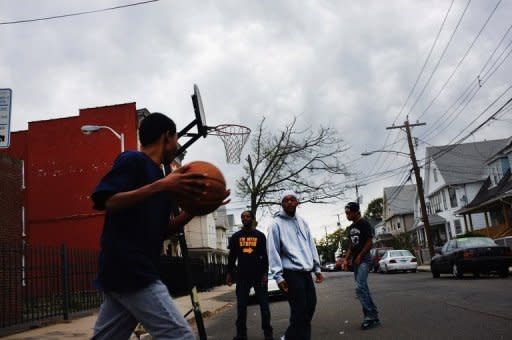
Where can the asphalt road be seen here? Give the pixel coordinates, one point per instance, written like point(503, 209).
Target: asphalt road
point(412, 306)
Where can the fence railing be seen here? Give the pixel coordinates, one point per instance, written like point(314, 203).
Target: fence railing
point(38, 284)
point(41, 283)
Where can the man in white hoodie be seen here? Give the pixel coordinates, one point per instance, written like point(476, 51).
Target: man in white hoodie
point(292, 257)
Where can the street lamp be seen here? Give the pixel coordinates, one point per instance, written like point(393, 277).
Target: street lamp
point(368, 153)
point(90, 129)
point(419, 186)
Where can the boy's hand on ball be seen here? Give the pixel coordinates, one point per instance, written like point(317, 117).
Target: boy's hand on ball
point(190, 184)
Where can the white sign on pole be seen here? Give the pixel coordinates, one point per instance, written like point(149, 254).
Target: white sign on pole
point(5, 117)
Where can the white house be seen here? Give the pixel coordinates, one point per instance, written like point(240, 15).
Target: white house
point(398, 208)
point(494, 200)
point(453, 175)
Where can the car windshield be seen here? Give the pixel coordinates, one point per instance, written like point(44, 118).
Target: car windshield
point(472, 242)
point(397, 253)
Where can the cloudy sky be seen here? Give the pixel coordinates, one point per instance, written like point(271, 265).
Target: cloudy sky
point(351, 65)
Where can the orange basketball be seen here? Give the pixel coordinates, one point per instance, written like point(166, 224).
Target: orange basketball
point(215, 190)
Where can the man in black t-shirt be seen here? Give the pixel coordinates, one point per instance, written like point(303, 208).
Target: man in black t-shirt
point(361, 235)
point(248, 247)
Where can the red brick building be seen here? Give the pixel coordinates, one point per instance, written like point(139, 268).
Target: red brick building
point(11, 237)
point(62, 167)
point(11, 200)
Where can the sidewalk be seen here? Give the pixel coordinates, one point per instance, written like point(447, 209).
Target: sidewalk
point(211, 302)
point(424, 268)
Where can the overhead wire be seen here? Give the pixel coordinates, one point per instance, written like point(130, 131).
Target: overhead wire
point(469, 93)
point(76, 13)
point(461, 60)
point(378, 160)
point(442, 56)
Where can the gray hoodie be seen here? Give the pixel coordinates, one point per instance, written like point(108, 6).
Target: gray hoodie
point(291, 246)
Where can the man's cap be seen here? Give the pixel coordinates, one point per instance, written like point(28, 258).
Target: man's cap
point(288, 193)
point(352, 206)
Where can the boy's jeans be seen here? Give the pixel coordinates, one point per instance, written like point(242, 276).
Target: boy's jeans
point(363, 292)
point(152, 306)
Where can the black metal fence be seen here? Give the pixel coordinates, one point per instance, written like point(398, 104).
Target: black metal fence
point(204, 275)
point(43, 283)
point(38, 284)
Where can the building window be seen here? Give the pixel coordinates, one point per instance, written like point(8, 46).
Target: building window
point(435, 175)
point(444, 200)
point(398, 225)
point(453, 197)
point(458, 226)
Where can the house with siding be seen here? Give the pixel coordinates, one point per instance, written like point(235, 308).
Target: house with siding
point(398, 208)
point(494, 200)
point(453, 176)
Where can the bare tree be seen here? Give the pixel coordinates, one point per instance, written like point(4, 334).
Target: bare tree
point(306, 161)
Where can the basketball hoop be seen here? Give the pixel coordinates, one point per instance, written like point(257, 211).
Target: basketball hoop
point(234, 138)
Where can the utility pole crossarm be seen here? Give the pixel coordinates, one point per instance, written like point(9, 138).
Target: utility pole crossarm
point(404, 126)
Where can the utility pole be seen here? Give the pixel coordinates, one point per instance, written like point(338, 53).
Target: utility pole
point(419, 182)
point(357, 191)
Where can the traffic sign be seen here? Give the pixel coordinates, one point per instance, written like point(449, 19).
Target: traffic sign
point(5, 117)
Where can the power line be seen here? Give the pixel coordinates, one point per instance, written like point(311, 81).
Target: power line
point(441, 57)
point(461, 60)
point(471, 91)
point(381, 164)
point(77, 13)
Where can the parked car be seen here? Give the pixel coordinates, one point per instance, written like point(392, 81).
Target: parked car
point(273, 288)
point(376, 254)
point(329, 267)
point(471, 255)
point(504, 241)
point(398, 260)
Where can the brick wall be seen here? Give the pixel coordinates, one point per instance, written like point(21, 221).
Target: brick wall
point(10, 239)
point(10, 200)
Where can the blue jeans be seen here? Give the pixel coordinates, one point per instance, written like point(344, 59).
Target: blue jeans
point(363, 292)
point(302, 301)
point(152, 306)
point(242, 295)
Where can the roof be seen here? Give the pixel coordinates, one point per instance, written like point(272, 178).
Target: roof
point(488, 195)
point(432, 221)
point(400, 200)
point(464, 163)
point(503, 152)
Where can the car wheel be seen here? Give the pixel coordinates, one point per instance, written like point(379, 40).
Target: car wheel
point(503, 273)
point(456, 272)
point(435, 275)
point(414, 270)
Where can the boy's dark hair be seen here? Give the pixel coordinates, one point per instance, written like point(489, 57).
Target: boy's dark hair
point(352, 206)
point(153, 126)
point(249, 212)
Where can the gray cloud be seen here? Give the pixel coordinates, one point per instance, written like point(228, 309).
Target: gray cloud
point(345, 64)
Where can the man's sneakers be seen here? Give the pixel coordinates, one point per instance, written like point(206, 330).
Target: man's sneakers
point(367, 324)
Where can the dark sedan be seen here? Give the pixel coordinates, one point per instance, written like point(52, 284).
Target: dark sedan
point(471, 255)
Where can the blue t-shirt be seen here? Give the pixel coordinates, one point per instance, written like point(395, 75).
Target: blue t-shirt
point(132, 238)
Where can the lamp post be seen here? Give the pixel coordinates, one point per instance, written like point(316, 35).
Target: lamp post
point(90, 129)
point(368, 153)
point(419, 187)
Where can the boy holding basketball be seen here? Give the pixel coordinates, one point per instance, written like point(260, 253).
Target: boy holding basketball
point(138, 201)
point(248, 246)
